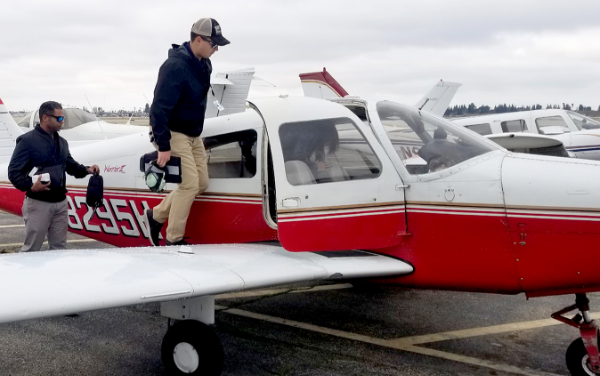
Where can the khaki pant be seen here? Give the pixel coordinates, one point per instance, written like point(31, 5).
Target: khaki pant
point(45, 218)
point(194, 180)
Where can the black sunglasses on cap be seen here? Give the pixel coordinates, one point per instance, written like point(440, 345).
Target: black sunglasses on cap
point(58, 118)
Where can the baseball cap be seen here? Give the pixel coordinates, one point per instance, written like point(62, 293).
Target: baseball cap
point(209, 27)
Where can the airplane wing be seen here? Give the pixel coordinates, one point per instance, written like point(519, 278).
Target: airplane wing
point(51, 283)
point(520, 140)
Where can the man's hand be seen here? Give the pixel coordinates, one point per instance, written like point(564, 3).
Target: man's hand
point(163, 158)
point(93, 169)
point(38, 186)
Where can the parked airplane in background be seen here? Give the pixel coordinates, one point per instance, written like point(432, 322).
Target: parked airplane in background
point(323, 85)
point(229, 88)
point(529, 130)
point(325, 176)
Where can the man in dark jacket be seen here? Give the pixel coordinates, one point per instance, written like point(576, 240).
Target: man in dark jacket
point(45, 206)
point(177, 119)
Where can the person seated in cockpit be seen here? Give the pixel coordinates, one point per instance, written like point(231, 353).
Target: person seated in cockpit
point(310, 144)
point(440, 153)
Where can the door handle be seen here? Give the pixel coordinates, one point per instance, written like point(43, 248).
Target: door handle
point(290, 202)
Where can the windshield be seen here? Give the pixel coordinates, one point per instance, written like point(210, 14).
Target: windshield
point(75, 117)
point(583, 122)
point(326, 151)
point(425, 143)
point(24, 122)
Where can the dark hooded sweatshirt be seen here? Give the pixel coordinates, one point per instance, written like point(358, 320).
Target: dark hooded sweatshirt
point(48, 152)
point(179, 101)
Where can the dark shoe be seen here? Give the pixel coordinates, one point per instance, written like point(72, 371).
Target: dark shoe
point(180, 242)
point(153, 226)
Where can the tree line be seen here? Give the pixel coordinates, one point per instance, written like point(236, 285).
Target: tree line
point(472, 109)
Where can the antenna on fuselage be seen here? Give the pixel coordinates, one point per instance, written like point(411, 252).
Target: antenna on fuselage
point(149, 104)
point(98, 121)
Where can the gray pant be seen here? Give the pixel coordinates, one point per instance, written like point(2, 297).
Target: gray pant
point(45, 218)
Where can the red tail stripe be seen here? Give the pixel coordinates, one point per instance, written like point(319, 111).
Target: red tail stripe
point(324, 77)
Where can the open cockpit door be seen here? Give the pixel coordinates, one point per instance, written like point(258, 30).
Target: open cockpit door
point(334, 187)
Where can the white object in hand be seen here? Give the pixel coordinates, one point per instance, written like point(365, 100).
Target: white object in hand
point(45, 178)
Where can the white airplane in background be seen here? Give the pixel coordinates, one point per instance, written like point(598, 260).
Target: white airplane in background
point(323, 85)
point(230, 88)
point(324, 176)
point(541, 132)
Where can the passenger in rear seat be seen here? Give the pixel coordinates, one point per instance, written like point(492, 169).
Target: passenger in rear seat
point(312, 144)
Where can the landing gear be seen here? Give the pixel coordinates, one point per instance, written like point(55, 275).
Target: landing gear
point(578, 359)
point(192, 348)
point(582, 355)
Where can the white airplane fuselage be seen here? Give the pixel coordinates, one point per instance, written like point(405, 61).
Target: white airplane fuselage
point(482, 219)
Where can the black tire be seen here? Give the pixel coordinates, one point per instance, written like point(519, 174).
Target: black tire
point(576, 359)
point(197, 339)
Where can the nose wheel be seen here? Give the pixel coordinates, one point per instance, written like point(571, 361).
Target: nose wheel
point(583, 358)
point(578, 360)
point(192, 348)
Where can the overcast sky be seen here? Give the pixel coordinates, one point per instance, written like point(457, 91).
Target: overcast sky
point(520, 52)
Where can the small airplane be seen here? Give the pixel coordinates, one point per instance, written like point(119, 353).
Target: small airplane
point(327, 176)
point(574, 135)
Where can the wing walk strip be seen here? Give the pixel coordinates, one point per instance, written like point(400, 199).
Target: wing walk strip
point(409, 344)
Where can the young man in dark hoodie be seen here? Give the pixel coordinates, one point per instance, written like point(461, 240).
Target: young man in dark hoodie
point(177, 119)
point(45, 207)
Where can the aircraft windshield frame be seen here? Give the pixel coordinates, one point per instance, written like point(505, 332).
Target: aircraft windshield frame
point(427, 144)
point(593, 124)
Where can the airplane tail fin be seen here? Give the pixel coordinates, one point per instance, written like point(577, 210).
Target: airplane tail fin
point(9, 131)
point(436, 101)
point(231, 90)
point(321, 85)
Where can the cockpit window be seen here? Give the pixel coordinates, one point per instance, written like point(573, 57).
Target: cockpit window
point(232, 155)
point(552, 125)
point(482, 129)
point(24, 122)
point(425, 143)
point(511, 126)
point(326, 151)
point(583, 122)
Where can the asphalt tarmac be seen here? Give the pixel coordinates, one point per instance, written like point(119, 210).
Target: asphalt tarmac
point(333, 329)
